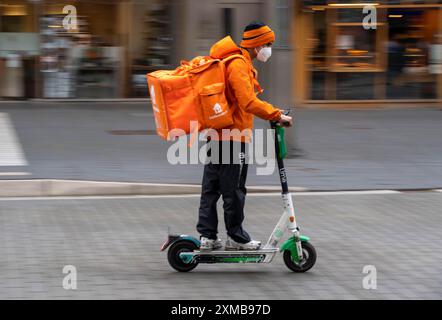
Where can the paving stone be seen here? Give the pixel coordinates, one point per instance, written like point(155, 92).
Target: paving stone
point(114, 244)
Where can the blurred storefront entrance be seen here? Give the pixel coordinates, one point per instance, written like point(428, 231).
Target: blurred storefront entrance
point(82, 62)
point(115, 44)
point(340, 61)
point(19, 49)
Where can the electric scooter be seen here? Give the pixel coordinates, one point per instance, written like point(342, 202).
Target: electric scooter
point(298, 253)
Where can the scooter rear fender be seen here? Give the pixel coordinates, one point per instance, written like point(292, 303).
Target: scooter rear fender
point(172, 238)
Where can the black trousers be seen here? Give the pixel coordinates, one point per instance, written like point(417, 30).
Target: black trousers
point(225, 178)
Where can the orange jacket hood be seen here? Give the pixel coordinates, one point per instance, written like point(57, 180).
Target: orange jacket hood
point(224, 48)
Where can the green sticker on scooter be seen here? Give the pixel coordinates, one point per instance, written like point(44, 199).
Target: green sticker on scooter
point(281, 142)
point(240, 259)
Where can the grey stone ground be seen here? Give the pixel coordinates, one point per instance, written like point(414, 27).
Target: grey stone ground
point(114, 244)
point(366, 149)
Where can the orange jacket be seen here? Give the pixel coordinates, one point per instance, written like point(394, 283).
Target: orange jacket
point(241, 80)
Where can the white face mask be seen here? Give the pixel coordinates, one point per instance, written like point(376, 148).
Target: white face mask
point(264, 54)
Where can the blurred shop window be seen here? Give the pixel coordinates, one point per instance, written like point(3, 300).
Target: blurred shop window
point(19, 47)
point(410, 54)
point(157, 45)
point(355, 50)
point(158, 36)
point(354, 47)
point(97, 69)
point(436, 55)
point(344, 59)
point(354, 56)
point(75, 63)
point(56, 75)
point(13, 86)
point(399, 59)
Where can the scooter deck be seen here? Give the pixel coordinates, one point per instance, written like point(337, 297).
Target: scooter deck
point(228, 256)
point(236, 252)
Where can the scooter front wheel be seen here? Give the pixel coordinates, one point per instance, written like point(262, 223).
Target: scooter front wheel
point(173, 255)
point(308, 259)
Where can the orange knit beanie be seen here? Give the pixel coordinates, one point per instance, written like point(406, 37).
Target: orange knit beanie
point(257, 34)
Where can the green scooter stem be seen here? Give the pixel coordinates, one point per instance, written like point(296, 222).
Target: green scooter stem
point(280, 131)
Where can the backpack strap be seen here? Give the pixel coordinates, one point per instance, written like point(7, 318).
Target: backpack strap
point(234, 56)
point(240, 56)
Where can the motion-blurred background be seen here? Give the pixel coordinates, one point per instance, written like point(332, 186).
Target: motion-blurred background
point(75, 120)
point(322, 53)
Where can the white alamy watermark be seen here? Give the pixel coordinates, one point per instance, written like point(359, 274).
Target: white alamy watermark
point(70, 21)
point(207, 148)
point(70, 280)
point(371, 18)
point(370, 281)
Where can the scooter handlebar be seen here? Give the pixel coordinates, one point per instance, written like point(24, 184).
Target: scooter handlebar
point(285, 112)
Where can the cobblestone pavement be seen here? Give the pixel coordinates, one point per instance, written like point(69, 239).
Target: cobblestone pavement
point(114, 244)
point(365, 149)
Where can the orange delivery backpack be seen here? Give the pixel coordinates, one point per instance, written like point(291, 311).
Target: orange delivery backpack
point(195, 91)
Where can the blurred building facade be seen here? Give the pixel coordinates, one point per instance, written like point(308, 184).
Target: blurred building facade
point(397, 59)
point(322, 53)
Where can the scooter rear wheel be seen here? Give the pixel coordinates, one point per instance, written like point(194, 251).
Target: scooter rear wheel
point(173, 255)
point(308, 261)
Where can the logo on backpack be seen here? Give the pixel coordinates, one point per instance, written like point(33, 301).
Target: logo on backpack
point(218, 111)
point(217, 108)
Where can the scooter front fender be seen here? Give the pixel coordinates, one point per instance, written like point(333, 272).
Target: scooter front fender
point(171, 239)
point(290, 245)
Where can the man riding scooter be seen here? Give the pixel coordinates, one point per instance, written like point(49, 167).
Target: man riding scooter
point(226, 177)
